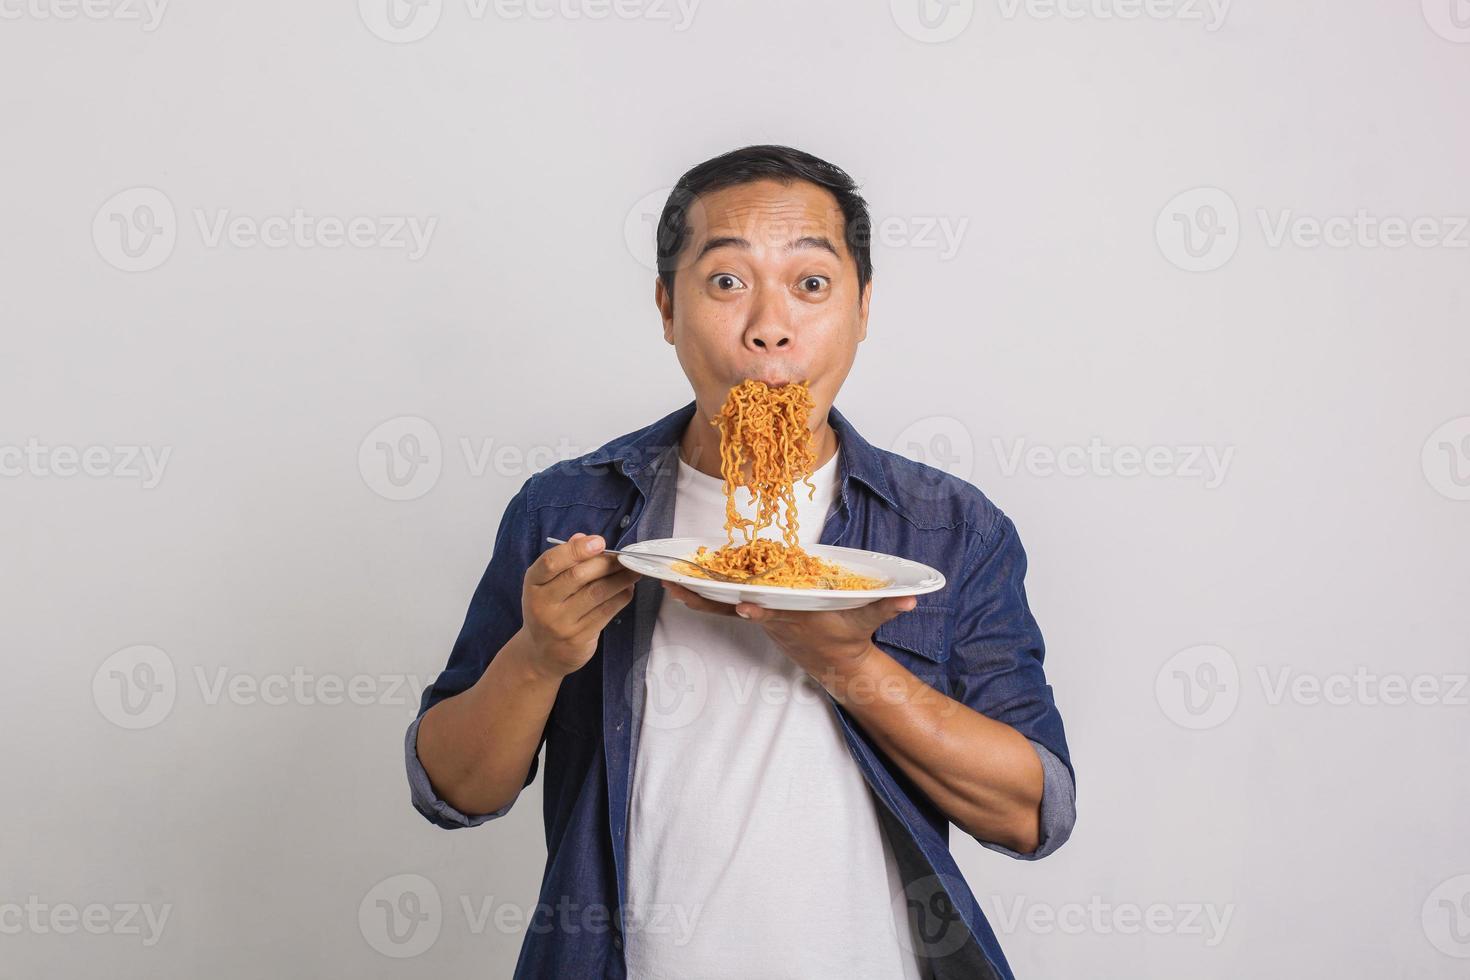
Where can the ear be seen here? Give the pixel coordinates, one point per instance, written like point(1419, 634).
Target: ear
point(665, 303)
point(863, 304)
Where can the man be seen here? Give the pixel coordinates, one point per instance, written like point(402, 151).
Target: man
point(733, 791)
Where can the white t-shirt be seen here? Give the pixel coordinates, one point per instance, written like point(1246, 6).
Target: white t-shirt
point(755, 847)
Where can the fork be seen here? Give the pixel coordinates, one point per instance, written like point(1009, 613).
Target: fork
point(718, 576)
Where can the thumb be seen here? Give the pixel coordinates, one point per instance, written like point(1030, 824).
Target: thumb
point(753, 612)
point(886, 609)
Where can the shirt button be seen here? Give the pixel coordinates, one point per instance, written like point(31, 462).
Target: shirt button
point(627, 519)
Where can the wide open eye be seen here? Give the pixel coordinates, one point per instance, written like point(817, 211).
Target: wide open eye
point(815, 284)
point(725, 282)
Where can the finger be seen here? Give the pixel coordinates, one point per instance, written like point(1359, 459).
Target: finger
point(564, 587)
point(698, 602)
point(755, 613)
point(883, 610)
point(873, 615)
point(557, 559)
point(579, 576)
point(594, 593)
point(600, 615)
point(902, 604)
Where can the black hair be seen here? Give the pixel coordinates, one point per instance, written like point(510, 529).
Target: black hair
point(747, 165)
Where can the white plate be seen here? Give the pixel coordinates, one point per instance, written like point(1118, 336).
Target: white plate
point(909, 577)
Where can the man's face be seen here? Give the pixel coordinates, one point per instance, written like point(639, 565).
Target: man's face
point(766, 289)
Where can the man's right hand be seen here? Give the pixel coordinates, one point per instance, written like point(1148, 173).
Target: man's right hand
point(571, 592)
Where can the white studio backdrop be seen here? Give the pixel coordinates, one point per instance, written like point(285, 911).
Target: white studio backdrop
point(1182, 286)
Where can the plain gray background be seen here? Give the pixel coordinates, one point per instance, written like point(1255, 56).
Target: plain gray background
point(1096, 252)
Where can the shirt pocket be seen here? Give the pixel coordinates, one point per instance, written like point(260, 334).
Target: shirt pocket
point(919, 640)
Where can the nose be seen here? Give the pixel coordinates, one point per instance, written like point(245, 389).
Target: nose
point(769, 327)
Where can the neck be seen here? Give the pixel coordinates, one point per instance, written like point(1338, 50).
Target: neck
point(700, 446)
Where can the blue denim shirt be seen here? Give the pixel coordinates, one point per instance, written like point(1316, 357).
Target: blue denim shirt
point(974, 640)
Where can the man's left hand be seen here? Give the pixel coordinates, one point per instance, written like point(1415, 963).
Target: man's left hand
point(824, 642)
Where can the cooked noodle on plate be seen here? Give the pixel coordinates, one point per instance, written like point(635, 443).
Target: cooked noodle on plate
point(768, 427)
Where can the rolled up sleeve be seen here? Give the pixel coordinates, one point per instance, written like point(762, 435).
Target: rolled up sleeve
point(494, 617)
point(430, 803)
point(997, 655)
point(1058, 808)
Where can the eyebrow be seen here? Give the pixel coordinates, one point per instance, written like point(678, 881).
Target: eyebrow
point(731, 241)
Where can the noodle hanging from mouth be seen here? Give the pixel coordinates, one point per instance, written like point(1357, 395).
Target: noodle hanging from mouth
point(768, 428)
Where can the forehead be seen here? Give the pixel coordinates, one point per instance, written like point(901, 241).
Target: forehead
point(767, 213)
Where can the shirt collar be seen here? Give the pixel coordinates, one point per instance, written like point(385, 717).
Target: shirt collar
point(637, 453)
